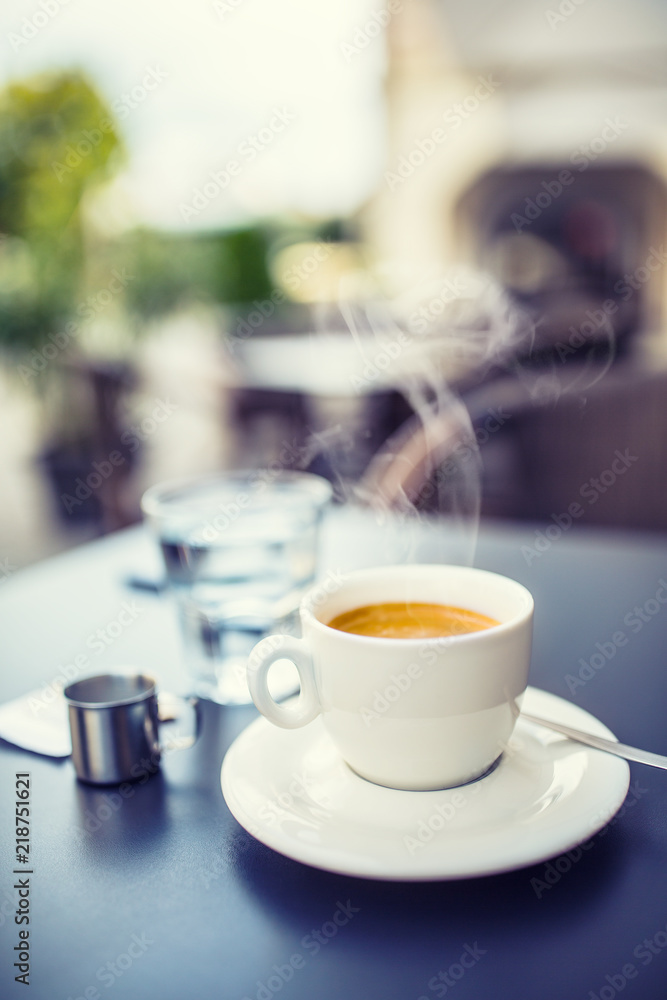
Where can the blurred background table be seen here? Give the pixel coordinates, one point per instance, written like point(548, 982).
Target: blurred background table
point(220, 910)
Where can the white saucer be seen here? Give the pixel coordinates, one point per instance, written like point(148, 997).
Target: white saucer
point(291, 790)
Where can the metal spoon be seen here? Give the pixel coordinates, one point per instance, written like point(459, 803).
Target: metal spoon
point(599, 743)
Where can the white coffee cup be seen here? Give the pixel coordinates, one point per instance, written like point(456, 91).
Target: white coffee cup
point(407, 713)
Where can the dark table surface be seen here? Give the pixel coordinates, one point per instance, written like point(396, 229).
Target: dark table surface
point(165, 895)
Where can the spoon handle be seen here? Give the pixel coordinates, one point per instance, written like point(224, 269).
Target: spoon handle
point(599, 743)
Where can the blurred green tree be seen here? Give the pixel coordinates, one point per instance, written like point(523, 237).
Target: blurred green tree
point(57, 138)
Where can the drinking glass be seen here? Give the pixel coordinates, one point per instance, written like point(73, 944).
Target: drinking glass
point(239, 549)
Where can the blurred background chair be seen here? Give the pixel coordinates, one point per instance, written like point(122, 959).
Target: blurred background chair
point(544, 445)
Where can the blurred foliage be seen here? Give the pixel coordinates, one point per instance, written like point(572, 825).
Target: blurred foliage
point(170, 270)
point(57, 137)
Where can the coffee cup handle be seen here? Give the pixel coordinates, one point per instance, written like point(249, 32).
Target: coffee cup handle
point(266, 652)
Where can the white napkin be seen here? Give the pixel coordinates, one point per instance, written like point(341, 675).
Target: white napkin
point(33, 724)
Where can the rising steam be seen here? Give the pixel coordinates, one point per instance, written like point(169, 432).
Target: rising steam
point(451, 329)
point(447, 329)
